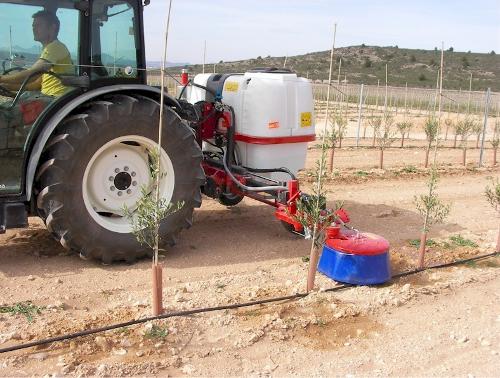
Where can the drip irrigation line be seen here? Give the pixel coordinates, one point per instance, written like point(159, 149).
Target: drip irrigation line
point(223, 307)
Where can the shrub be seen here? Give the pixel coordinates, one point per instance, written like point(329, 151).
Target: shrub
point(465, 62)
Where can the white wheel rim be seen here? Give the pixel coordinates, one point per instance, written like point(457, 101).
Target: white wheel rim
point(115, 176)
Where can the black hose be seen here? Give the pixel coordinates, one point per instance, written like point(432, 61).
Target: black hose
point(190, 81)
point(183, 89)
point(271, 170)
point(224, 307)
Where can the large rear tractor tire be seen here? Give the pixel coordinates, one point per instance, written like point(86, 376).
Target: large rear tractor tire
point(98, 160)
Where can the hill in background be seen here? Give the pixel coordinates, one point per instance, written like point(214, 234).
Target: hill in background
point(366, 64)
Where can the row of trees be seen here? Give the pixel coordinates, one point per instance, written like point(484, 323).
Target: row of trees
point(386, 129)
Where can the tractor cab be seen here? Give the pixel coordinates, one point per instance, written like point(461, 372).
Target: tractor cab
point(91, 44)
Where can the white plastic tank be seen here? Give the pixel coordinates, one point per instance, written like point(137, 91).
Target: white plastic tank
point(274, 117)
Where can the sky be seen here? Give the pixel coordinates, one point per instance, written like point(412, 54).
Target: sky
point(243, 29)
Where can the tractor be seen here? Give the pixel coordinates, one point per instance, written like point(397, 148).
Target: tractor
point(76, 156)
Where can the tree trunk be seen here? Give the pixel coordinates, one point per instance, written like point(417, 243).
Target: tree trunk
point(364, 132)
point(340, 142)
point(373, 140)
point(446, 133)
point(402, 140)
point(464, 157)
point(455, 141)
point(381, 158)
point(313, 266)
point(494, 156)
point(421, 250)
point(157, 289)
point(427, 150)
point(477, 141)
point(330, 163)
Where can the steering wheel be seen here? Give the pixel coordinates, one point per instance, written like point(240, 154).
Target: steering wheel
point(5, 92)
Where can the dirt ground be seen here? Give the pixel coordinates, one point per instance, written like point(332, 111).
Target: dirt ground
point(436, 323)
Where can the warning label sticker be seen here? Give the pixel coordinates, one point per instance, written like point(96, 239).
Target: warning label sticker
point(305, 119)
point(231, 86)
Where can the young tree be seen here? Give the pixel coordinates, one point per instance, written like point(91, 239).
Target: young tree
point(313, 215)
point(385, 137)
point(432, 211)
point(431, 129)
point(477, 129)
point(331, 139)
point(340, 122)
point(145, 220)
point(448, 122)
point(493, 196)
point(465, 128)
point(495, 140)
point(403, 128)
point(375, 122)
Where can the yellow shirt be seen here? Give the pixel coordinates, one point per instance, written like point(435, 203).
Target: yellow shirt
point(58, 55)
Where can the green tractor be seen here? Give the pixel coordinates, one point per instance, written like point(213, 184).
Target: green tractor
point(78, 125)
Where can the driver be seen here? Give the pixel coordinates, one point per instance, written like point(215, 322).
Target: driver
point(55, 58)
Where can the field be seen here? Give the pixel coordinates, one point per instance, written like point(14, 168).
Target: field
point(417, 325)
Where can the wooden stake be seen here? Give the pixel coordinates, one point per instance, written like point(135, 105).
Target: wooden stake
point(470, 93)
point(406, 96)
point(204, 55)
point(332, 150)
point(386, 89)
point(156, 269)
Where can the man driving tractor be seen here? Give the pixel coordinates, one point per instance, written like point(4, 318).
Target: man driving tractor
point(55, 58)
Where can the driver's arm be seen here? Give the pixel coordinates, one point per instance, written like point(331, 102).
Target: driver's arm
point(14, 80)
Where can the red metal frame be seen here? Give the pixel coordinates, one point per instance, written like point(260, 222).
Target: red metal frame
point(211, 125)
point(284, 212)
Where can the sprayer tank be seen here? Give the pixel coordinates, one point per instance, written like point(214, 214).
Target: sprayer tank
point(274, 116)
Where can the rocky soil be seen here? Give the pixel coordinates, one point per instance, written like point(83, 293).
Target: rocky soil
point(436, 323)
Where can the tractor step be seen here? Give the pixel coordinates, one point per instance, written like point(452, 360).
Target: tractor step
point(13, 215)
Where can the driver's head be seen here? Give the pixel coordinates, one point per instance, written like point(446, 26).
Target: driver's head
point(45, 26)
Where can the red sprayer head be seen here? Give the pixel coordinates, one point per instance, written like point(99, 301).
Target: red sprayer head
point(184, 77)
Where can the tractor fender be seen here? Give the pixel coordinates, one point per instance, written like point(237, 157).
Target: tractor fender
point(58, 117)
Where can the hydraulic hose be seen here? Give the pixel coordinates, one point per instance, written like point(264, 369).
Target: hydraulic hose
point(269, 170)
point(225, 307)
